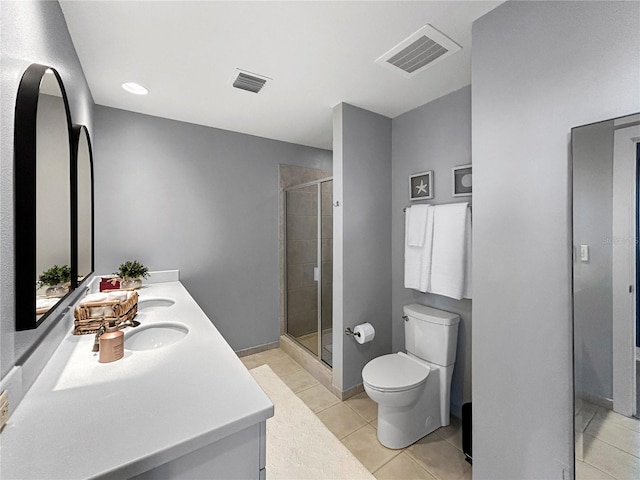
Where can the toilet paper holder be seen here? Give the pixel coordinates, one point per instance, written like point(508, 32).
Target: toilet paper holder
point(363, 333)
point(348, 331)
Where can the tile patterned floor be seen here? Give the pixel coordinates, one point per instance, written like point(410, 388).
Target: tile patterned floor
point(607, 444)
point(435, 457)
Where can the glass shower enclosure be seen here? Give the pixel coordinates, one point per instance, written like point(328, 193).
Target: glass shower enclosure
point(309, 266)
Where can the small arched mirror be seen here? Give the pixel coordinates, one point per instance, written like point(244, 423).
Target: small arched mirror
point(83, 199)
point(42, 173)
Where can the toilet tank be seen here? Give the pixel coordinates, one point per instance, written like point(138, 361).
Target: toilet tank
point(431, 334)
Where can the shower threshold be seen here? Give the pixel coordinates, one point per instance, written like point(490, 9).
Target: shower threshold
point(310, 343)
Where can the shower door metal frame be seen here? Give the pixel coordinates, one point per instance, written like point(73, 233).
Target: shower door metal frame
point(318, 183)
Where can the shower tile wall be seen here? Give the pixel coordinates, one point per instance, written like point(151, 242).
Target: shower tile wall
point(289, 176)
point(302, 248)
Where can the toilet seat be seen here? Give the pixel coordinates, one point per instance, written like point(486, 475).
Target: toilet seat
point(394, 372)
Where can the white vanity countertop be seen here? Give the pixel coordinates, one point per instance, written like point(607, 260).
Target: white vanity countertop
point(83, 419)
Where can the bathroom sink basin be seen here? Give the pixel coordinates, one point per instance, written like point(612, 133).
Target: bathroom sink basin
point(151, 304)
point(156, 335)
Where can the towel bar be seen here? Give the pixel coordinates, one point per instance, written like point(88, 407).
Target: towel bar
point(469, 206)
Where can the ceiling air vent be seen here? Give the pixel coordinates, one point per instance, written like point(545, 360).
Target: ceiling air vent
point(420, 50)
point(248, 81)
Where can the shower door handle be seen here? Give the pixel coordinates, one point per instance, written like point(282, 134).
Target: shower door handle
point(316, 274)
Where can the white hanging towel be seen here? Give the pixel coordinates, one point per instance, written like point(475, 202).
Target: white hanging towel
point(417, 260)
point(448, 262)
point(417, 216)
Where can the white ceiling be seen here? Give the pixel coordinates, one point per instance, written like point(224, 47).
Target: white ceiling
point(318, 54)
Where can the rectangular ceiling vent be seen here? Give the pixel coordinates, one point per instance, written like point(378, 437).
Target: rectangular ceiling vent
point(250, 82)
point(420, 50)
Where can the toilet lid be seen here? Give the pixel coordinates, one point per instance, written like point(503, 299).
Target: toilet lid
point(394, 372)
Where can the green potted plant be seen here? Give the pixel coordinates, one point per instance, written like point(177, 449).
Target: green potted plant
point(132, 273)
point(57, 279)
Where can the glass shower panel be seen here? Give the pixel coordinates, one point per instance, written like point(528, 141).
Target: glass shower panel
point(302, 265)
point(326, 255)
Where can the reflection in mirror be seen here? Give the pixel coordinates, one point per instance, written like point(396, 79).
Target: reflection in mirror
point(53, 202)
point(605, 313)
point(43, 196)
point(84, 202)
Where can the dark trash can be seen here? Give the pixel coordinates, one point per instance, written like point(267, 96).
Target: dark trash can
point(466, 432)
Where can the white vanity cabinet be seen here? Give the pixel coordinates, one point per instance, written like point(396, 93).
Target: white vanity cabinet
point(187, 410)
point(239, 456)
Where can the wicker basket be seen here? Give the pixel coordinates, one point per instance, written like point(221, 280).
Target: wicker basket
point(86, 320)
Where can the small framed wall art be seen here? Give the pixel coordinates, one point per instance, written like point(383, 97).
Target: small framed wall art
point(461, 177)
point(421, 186)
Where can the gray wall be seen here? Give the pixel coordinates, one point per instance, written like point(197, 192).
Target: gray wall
point(32, 32)
point(538, 69)
point(198, 199)
point(435, 136)
point(362, 238)
point(592, 151)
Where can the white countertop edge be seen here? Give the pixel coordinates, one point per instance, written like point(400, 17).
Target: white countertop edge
point(174, 452)
point(207, 348)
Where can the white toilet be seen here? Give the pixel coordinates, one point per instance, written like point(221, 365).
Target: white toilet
point(413, 390)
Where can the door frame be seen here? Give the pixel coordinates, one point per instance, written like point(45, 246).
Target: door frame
point(624, 240)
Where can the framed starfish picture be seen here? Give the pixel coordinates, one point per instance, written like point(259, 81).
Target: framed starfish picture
point(421, 186)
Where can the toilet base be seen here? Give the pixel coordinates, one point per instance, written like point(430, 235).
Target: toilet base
point(399, 427)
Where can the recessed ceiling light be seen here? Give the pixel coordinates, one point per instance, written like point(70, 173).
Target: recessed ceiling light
point(134, 88)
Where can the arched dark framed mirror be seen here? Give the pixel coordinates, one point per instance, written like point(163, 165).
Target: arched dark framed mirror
point(42, 199)
point(82, 201)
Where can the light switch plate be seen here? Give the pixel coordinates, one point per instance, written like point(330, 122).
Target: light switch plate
point(584, 253)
